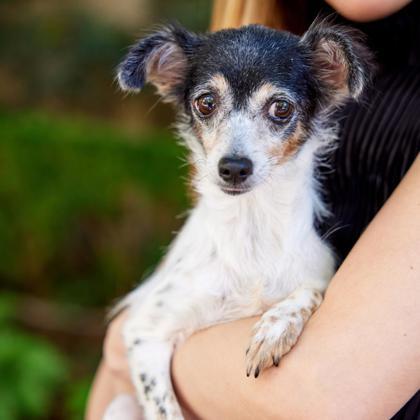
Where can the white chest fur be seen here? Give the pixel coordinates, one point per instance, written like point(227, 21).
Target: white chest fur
point(236, 256)
point(254, 249)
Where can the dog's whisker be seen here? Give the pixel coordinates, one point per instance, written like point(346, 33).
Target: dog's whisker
point(155, 104)
point(333, 229)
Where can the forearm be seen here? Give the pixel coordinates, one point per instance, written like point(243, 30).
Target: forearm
point(358, 356)
point(367, 10)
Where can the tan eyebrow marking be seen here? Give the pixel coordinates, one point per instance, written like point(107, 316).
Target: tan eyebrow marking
point(221, 86)
point(288, 148)
point(219, 83)
point(260, 96)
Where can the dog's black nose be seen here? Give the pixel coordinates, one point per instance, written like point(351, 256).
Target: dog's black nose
point(235, 170)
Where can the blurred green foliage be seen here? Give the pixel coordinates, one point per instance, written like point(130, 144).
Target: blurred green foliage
point(31, 369)
point(86, 204)
point(65, 57)
point(62, 56)
point(85, 209)
point(83, 204)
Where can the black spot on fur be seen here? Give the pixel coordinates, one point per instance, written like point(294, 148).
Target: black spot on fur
point(162, 410)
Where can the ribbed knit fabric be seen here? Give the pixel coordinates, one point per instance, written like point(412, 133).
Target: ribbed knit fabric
point(380, 137)
point(379, 140)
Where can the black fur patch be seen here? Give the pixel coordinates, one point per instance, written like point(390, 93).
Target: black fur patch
point(248, 57)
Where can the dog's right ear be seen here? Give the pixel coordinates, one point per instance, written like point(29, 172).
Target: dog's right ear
point(162, 59)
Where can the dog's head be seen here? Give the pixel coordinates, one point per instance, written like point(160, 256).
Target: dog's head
point(249, 98)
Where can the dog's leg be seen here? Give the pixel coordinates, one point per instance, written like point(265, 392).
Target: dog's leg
point(155, 325)
point(150, 371)
point(150, 341)
point(279, 328)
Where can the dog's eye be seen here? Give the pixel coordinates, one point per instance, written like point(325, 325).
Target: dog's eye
point(280, 110)
point(205, 105)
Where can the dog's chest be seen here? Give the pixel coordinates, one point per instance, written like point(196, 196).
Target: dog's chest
point(248, 248)
point(251, 256)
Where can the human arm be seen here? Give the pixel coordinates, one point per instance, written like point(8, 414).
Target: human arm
point(358, 356)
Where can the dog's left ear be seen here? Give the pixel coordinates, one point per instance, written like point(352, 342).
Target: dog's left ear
point(162, 59)
point(340, 60)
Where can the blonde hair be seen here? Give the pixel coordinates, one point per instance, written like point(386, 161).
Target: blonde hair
point(278, 14)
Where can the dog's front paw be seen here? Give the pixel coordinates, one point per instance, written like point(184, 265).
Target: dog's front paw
point(273, 336)
point(279, 328)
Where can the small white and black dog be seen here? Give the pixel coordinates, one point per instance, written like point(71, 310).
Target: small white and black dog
point(254, 111)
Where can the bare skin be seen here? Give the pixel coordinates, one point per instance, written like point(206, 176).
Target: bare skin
point(358, 356)
point(367, 10)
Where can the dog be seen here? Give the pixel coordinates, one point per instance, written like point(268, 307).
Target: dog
point(254, 110)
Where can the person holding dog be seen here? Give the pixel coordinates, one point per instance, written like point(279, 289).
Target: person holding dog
point(359, 355)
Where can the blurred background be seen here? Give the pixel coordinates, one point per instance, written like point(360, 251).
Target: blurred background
point(91, 183)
